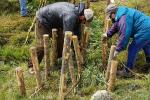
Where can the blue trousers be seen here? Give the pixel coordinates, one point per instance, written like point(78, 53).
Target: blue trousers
point(133, 50)
point(23, 7)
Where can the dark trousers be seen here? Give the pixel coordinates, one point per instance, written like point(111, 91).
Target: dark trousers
point(40, 31)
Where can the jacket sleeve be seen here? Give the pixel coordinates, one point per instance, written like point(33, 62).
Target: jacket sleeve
point(112, 30)
point(125, 33)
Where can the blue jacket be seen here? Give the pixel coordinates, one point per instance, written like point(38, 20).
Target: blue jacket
point(136, 25)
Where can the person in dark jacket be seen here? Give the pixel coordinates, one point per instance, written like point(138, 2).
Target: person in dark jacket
point(62, 16)
point(129, 23)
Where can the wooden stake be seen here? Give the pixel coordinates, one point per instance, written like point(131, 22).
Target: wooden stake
point(71, 68)
point(46, 55)
point(21, 84)
point(112, 79)
point(65, 59)
point(36, 67)
point(53, 55)
point(104, 54)
point(77, 53)
point(112, 50)
point(105, 44)
point(84, 43)
point(108, 24)
point(88, 4)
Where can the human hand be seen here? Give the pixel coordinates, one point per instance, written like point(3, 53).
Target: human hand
point(104, 35)
point(115, 54)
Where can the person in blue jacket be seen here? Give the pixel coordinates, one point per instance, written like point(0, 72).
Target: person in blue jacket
point(23, 8)
point(130, 23)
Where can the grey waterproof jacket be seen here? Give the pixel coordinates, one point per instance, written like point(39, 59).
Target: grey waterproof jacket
point(61, 15)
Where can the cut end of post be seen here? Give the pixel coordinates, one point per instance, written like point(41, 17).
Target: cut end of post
point(113, 46)
point(45, 35)
point(74, 37)
point(18, 69)
point(54, 30)
point(68, 33)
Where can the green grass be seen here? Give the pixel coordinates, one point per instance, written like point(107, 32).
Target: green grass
point(13, 53)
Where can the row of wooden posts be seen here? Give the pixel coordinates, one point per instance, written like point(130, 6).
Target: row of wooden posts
point(67, 61)
point(111, 64)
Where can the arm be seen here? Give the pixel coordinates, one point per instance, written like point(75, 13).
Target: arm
point(125, 33)
point(112, 30)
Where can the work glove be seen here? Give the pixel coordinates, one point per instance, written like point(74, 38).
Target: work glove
point(104, 36)
point(115, 54)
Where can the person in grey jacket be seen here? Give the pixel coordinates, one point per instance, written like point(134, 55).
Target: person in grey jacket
point(63, 16)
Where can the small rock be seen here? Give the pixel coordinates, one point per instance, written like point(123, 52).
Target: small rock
point(101, 95)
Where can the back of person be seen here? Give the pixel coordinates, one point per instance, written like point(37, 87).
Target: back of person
point(52, 15)
point(138, 22)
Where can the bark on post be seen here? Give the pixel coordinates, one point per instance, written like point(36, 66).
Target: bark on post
point(36, 67)
point(108, 24)
point(112, 50)
point(112, 78)
point(87, 3)
point(71, 68)
point(53, 54)
point(104, 53)
point(77, 53)
point(21, 84)
point(65, 59)
point(84, 43)
point(105, 44)
point(46, 55)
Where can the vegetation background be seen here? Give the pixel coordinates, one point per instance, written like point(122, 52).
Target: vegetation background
point(13, 53)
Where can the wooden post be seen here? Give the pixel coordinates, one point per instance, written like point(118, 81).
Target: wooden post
point(71, 69)
point(112, 50)
point(104, 53)
point(53, 55)
point(84, 43)
point(46, 55)
point(82, 38)
point(105, 43)
point(77, 53)
point(87, 3)
point(65, 59)
point(112, 78)
point(21, 84)
point(36, 67)
point(108, 24)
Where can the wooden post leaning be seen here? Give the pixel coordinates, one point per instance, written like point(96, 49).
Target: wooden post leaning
point(21, 84)
point(36, 67)
point(78, 54)
point(71, 69)
point(53, 54)
point(46, 55)
point(112, 78)
point(65, 59)
point(111, 54)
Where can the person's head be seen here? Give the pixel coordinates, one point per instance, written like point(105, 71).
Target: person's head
point(87, 17)
point(111, 11)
